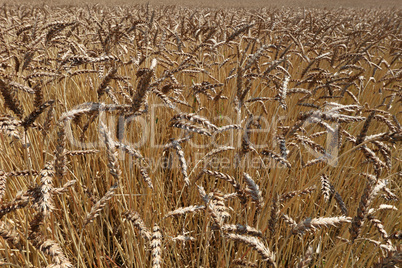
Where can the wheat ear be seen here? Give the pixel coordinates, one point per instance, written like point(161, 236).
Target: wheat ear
point(112, 154)
point(3, 183)
point(10, 235)
point(20, 201)
point(253, 190)
point(257, 245)
point(313, 224)
point(156, 246)
point(53, 249)
point(362, 210)
point(184, 210)
point(135, 218)
point(98, 207)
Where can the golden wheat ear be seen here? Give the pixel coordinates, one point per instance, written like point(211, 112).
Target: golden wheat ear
point(255, 244)
point(3, 183)
point(253, 190)
point(242, 229)
point(184, 210)
point(21, 200)
point(136, 220)
point(10, 235)
point(98, 207)
point(314, 224)
point(112, 154)
point(156, 246)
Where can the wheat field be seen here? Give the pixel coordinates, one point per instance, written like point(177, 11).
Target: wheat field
point(173, 136)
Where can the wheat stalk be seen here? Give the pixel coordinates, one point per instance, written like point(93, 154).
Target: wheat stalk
point(135, 218)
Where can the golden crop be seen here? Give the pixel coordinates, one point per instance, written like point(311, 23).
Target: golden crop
point(139, 136)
